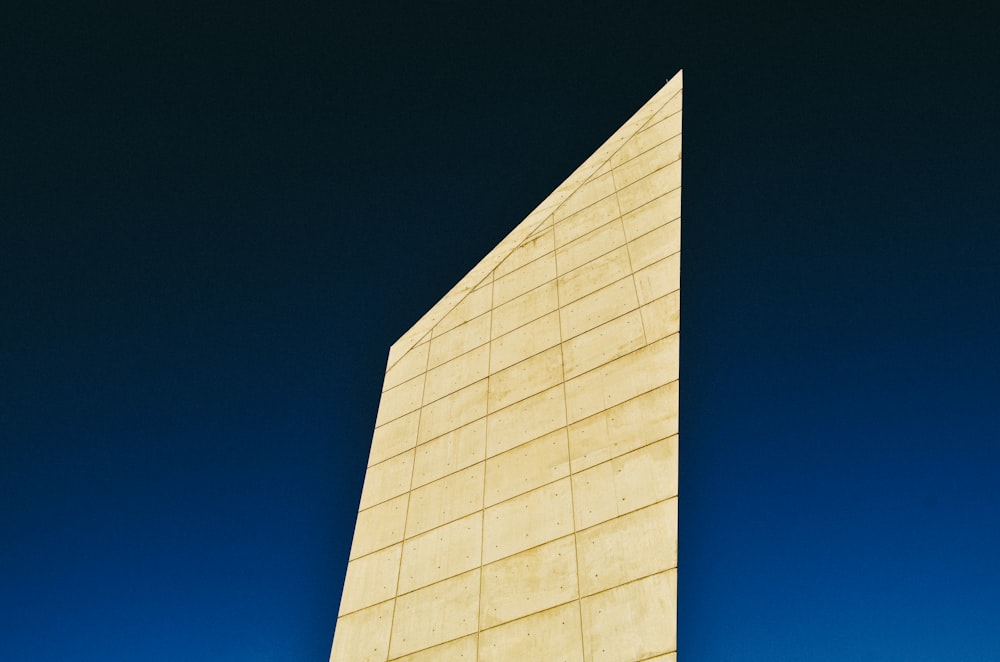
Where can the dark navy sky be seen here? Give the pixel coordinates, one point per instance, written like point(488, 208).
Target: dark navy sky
point(215, 221)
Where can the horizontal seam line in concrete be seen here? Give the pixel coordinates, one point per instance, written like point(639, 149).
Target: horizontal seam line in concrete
point(569, 245)
point(436, 333)
point(571, 472)
point(511, 498)
point(483, 566)
point(652, 124)
point(507, 273)
point(582, 597)
point(649, 232)
point(642, 179)
point(596, 202)
point(443, 643)
point(576, 216)
point(647, 150)
point(486, 416)
point(578, 269)
point(556, 280)
point(541, 229)
point(453, 357)
point(638, 349)
point(628, 179)
point(536, 612)
point(652, 200)
point(585, 372)
point(618, 219)
point(550, 255)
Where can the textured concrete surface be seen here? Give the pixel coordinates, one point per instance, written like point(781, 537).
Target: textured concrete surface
point(520, 501)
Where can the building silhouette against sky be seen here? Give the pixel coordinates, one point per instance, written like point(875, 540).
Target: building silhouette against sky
point(520, 501)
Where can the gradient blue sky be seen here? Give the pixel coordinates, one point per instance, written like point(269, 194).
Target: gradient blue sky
point(215, 220)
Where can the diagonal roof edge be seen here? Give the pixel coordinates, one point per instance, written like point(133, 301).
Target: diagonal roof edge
point(531, 222)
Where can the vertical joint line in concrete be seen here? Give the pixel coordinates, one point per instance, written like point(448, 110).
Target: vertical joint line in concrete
point(486, 441)
point(409, 492)
point(628, 255)
point(569, 456)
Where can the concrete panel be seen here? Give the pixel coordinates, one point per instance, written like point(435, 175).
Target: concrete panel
point(604, 169)
point(589, 193)
point(524, 342)
point(364, 635)
point(524, 379)
point(486, 281)
point(527, 466)
point(452, 411)
point(601, 306)
point(441, 553)
point(653, 214)
point(594, 275)
point(650, 187)
point(632, 622)
point(647, 139)
point(473, 305)
point(552, 635)
point(370, 579)
point(529, 582)
point(457, 373)
point(435, 614)
point(606, 343)
point(526, 420)
point(409, 366)
point(459, 340)
point(670, 111)
point(622, 379)
point(633, 424)
point(400, 400)
point(444, 500)
point(672, 106)
point(655, 245)
point(658, 279)
point(386, 480)
point(662, 318)
point(394, 437)
point(544, 208)
point(648, 162)
point(535, 246)
point(526, 278)
point(527, 520)
point(459, 649)
point(379, 526)
point(600, 213)
point(590, 246)
point(450, 452)
point(627, 548)
point(526, 308)
point(666, 125)
point(626, 483)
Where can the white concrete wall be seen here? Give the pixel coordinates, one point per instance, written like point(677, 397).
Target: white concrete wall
point(520, 501)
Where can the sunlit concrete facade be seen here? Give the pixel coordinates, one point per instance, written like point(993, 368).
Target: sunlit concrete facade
point(520, 501)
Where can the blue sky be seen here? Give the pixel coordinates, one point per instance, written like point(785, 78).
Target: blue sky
point(215, 221)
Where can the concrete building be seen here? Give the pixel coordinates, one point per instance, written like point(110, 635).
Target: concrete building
point(520, 501)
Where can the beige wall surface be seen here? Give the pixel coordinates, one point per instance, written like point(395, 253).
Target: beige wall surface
point(520, 501)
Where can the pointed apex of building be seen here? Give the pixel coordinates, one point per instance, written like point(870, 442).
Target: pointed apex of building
point(663, 103)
